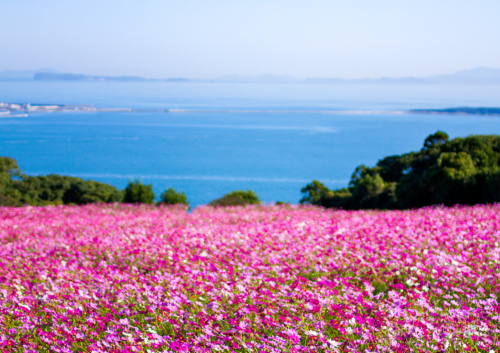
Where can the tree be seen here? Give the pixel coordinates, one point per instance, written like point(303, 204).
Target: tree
point(436, 139)
point(367, 187)
point(8, 166)
point(89, 191)
point(137, 192)
point(9, 170)
point(313, 192)
point(172, 197)
point(237, 198)
point(459, 171)
point(56, 189)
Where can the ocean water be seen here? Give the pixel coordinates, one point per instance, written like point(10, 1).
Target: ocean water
point(270, 138)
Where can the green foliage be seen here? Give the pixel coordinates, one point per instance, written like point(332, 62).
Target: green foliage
point(449, 172)
point(8, 166)
point(436, 139)
point(313, 192)
point(137, 192)
point(42, 190)
point(281, 203)
point(58, 190)
point(311, 275)
point(90, 191)
point(9, 170)
point(17, 189)
point(172, 197)
point(237, 198)
point(366, 184)
point(379, 287)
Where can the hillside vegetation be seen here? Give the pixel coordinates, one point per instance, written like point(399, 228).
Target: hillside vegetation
point(237, 198)
point(449, 172)
point(17, 189)
point(459, 171)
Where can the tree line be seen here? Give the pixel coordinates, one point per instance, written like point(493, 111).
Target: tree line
point(448, 172)
point(444, 172)
point(18, 189)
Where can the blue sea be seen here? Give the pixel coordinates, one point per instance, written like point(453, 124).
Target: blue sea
point(271, 138)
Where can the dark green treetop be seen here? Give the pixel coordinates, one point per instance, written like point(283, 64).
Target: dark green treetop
point(172, 197)
point(17, 189)
point(137, 192)
point(459, 171)
point(237, 198)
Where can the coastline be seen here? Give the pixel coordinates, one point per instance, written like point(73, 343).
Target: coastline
point(23, 109)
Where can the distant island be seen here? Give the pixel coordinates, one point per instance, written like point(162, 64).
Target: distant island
point(476, 76)
point(50, 76)
point(479, 75)
point(460, 110)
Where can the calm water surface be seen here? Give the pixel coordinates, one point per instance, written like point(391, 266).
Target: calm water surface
point(207, 154)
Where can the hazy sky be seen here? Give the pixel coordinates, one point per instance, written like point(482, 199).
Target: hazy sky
point(210, 38)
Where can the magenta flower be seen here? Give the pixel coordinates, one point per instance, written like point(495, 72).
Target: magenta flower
point(123, 278)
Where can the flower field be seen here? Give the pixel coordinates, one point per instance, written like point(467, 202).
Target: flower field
point(257, 279)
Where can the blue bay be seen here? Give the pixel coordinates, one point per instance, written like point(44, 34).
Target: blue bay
point(270, 138)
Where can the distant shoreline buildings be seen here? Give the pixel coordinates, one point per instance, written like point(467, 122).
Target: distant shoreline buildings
point(28, 107)
point(24, 108)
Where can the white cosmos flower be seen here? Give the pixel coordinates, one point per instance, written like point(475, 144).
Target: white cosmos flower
point(333, 343)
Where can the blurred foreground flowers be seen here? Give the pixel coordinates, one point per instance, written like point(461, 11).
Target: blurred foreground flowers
point(125, 278)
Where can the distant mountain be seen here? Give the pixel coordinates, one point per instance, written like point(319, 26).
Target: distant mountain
point(22, 75)
point(176, 79)
point(382, 80)
point(47, 76)
point(480, 75)
point(477, 75)
point(264, 78)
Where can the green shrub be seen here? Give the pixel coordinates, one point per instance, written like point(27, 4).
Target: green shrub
point(281, 203)
point(464, 171)
point(9, 170)
point(172, 197)
point(313, 192)
point(57, 190)
point(237, 198)
point(17, 189)
point(137, 192)
point(82, 192)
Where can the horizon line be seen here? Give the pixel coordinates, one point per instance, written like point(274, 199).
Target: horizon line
point(227, 77)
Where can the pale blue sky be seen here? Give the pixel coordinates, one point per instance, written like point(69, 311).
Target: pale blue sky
point(210, 38)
